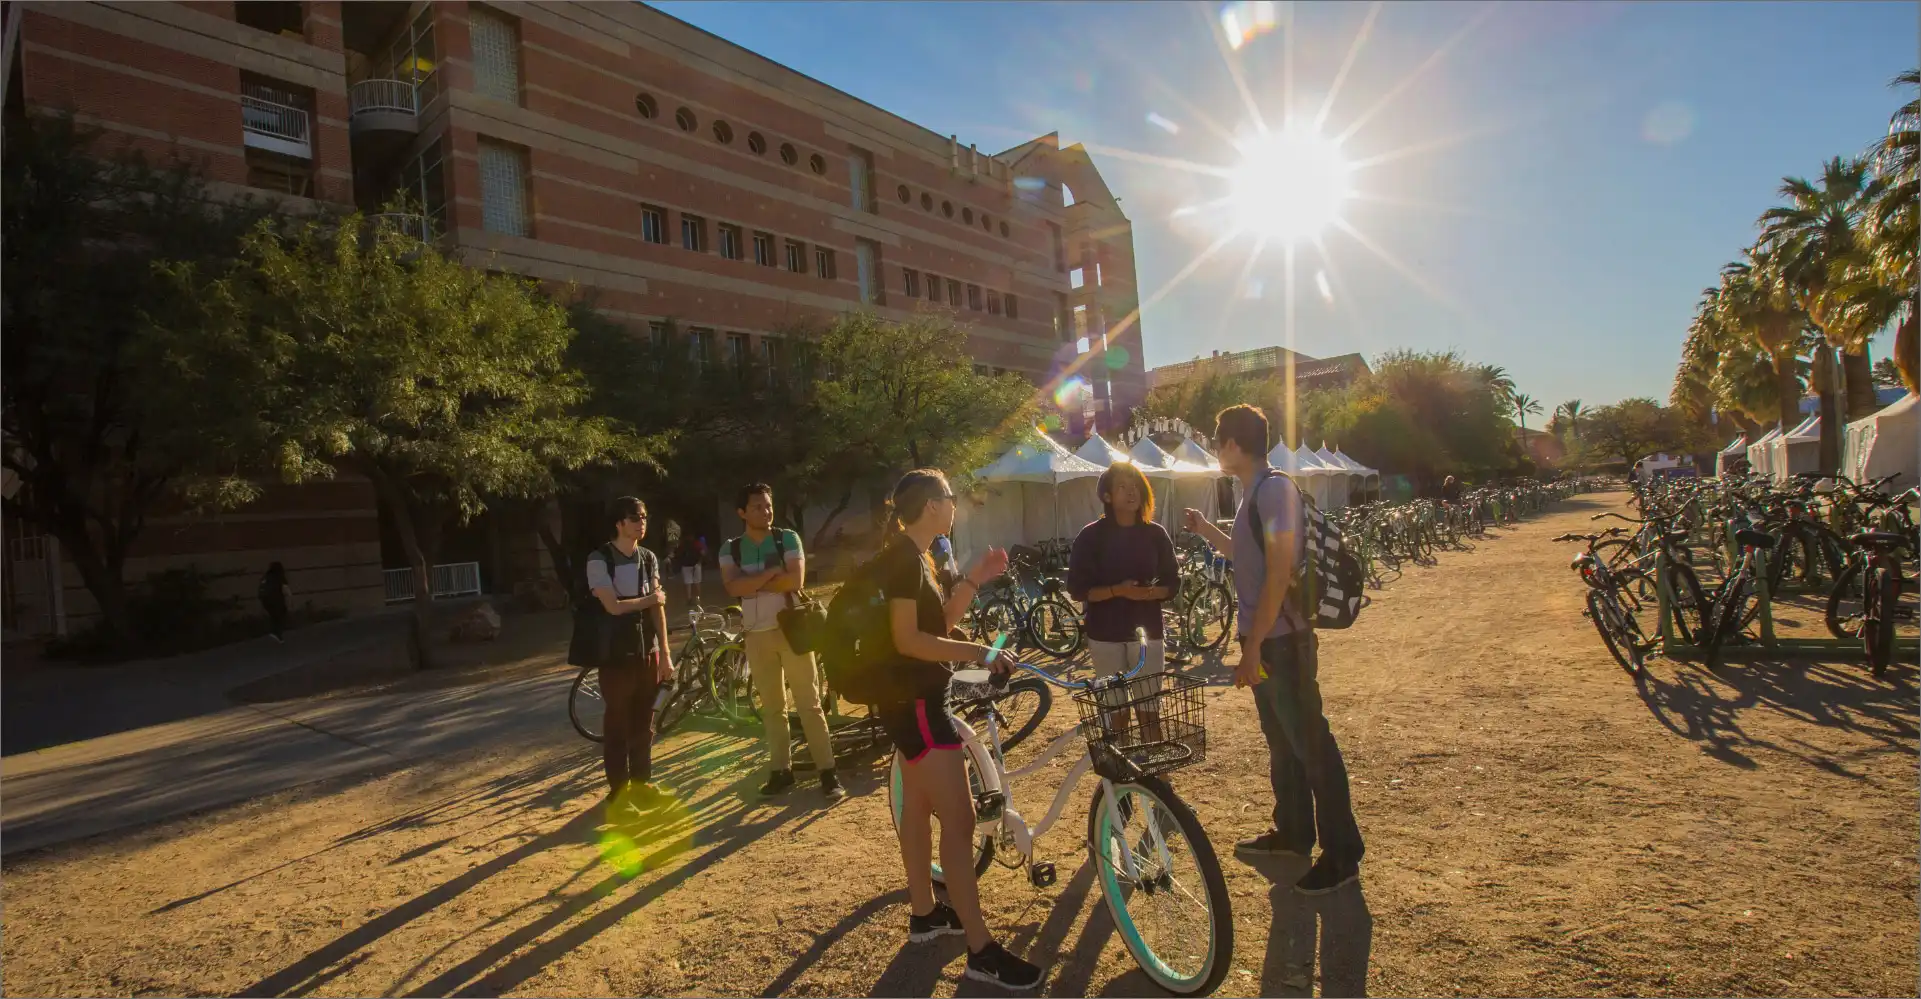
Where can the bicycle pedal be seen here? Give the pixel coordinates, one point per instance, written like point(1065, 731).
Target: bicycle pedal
point(1041, 874)
point(988, 805)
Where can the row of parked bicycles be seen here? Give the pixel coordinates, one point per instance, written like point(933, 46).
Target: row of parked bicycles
point(1715, 554)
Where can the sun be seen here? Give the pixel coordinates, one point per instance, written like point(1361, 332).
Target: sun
point(1289, 185)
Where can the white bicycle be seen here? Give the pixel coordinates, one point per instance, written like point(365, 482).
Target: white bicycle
point(1156, 868)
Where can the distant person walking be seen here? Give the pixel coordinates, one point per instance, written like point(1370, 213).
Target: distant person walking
point(763, 569)
point(1279, 659)
point(274, 597)
point(1451, 489)
point(625, 578)
point(688, 558)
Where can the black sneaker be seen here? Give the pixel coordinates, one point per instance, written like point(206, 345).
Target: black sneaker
point(942, 922)
point(993, 964)
point(830, 786)
point(1271, 844)
point(1327, 876)
point(778, 782)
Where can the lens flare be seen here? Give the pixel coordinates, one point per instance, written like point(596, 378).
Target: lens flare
point(1246, 20)
point(1070, 391)
point(1290, 185)
point(1163, 124)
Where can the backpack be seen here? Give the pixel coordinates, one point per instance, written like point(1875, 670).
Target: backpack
point(803, 618)
point(1329, 578)
point(856, 642)
point(592, 641)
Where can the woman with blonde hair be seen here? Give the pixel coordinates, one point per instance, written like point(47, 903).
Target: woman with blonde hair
point(921, 614)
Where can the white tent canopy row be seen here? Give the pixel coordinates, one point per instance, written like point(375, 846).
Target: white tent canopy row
point(1737, 450)
point(1329, 476)
point(1758, 455)
point(1797, 451)
point(1885, 443)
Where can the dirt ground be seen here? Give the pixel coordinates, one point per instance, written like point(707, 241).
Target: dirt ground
point(1537, 824)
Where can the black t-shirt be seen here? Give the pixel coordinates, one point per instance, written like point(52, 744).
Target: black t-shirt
point(902, 573)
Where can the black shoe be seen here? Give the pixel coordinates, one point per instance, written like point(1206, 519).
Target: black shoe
point(1326, 876)
point(830, 786)
point(1272, 844)
point(942, 922)
point(993, 964)
point(778, 782)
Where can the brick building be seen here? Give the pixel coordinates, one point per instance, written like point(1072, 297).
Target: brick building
point(682, 181)
point(1264, 363)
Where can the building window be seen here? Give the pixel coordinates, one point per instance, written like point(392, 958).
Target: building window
point(986, 226)
point(1060, 317)
point(764, 249)
point(1013, 305)
point(926, 202)
point(1080, 322)
point(867, 270)
point(700, 346)
point(967, 216)
point(653, 224)
point(646, 105)
point(796, 257)
point(411, 58)
point(933, 288)
point(273, 18)
point(503, 189)
point(817, 164)
point(1097, 275)
point(1077, 278)
point(910, 282)
point(1060, 246)
point(770, 356)
point(276, 117)
point(279, 174)
point(1003, 230)
point(788, 155)
point(496, 44)
point(981, 370)
point(737, 353)
point(974, 297)
point(686, 120)
point(903, 194)
point(730, 242)
point(823, 263)
point(693, 233)
point(657, 333)
point(947, 209)
point(953, 293)
point(723, 133)
point(860, 179)
point(423, 180)
point(993, 303)
point(756, 144)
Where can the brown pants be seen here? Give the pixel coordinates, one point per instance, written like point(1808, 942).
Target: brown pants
point(628, 689)
point(778, 671)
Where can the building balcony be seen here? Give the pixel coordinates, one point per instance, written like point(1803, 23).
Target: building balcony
point(275, 126)
point(391, 106)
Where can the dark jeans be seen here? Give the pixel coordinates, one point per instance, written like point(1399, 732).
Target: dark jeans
point(1310, 779)
point(276, 616)
point(628, 691)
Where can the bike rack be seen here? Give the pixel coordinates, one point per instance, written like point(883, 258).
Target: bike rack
point(1770, 643)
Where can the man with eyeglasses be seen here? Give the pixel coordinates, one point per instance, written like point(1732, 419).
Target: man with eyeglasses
point(625, 578)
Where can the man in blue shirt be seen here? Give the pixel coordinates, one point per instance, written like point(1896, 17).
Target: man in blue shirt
point(1279, 659)
point(763, 569)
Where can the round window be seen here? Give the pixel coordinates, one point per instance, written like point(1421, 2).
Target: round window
point(1003, 230)
point(816, 164)
point(902, 193)
point(756, 143)
point(926, 202)
point(788, 155)
point(723, 133)
point(686, 120)
point(947, 209)
point(967, 216)
point(644, 103)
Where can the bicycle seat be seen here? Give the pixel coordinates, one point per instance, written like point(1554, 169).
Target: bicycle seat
point(1052, 585)
point(1879, 539)
point(1754, 539)
point(1675, 538)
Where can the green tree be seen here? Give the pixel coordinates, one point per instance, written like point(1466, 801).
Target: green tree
point(1524, 406)
point(97, 438)
point(888, 397)
point(1893, 228)
point(1632, 429)
point(1199, 398)
point(382, 357)
point(1426, 415)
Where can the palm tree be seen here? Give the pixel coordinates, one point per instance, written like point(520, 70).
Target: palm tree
point(1569, 413)
point(1752, 307)
point(1894, 226)
point(1819, 234)
point(1524, 407)
point(1497, 381)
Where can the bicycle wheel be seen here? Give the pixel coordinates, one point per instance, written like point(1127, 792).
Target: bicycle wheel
point(995, 618)
point(1172, 912)
point(680, 699)
point(1877, 625)
point(1055, 626)
point(585, 708)
point(1022, 705)
point(983, 847)
point(1208, 618)
point(1614, 552)
point(730, 684)
point(1733, 607)
point(1847, 602)
point(1618, 631)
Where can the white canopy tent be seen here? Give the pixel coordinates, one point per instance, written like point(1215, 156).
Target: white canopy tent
point(1327, 485)
point(1736, 451)
point(1177, 484)
point(1098, 451)
point(1798, 450)
point(1886, 443)
point(1758, 453)
point(1037, 490)
point(1193, 453)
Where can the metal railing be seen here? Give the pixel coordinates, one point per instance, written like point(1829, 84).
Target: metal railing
point(284, 127)
point(457, 579)
point(383, 96)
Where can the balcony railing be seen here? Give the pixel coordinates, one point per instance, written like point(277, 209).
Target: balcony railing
point(417, 226)
point(458, 579)
point(276, 127)
point(395, 96)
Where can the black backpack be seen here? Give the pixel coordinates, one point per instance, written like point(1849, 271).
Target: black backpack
point(856, 645)
point(593, 627)
point(1329, 578)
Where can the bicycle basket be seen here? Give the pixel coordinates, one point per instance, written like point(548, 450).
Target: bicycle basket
point(1151, 724)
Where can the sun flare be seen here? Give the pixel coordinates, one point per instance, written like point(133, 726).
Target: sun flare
point(1289, 185)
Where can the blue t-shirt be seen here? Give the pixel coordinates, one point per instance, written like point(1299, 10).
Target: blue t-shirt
point(1280, 513)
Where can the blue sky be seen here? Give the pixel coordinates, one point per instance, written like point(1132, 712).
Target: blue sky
point(1566, 177)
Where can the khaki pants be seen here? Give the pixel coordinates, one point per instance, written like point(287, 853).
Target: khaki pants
point(771, 661)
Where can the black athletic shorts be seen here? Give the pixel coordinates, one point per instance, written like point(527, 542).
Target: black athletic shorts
point(918, 726)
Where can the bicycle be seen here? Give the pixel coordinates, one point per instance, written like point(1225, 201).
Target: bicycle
point(693, 682)
point(1138, 830)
